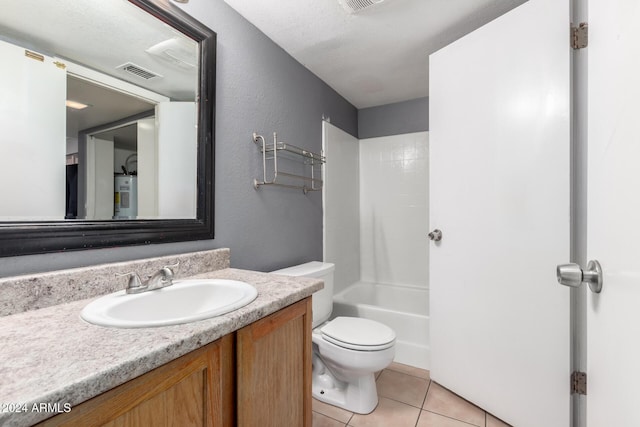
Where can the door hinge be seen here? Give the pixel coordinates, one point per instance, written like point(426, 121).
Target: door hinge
point(579, 35)
point(579, 382)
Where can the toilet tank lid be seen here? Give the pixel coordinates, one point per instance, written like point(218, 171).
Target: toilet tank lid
point(309, 269)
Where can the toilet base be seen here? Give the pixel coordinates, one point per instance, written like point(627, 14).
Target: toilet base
point(359, 396)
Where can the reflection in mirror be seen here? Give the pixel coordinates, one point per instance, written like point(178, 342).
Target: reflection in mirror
point(79, 84)
point(107, 125)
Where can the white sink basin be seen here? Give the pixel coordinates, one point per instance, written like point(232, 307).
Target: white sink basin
point(183, 302)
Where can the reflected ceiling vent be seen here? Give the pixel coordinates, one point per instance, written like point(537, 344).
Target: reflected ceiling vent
point(354, 6)
point(138, 71)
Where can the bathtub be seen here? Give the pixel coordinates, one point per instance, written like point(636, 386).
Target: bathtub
point(403, 308)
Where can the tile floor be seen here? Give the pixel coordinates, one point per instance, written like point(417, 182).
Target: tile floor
point(408, 398)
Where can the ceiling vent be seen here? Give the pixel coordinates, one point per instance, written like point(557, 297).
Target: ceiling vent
point(138, 71)
point(177, 51)
point(353, 6)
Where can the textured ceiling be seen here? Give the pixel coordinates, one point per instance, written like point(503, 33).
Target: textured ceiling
point(100, 35)
point(107, 105)
point(378, 55)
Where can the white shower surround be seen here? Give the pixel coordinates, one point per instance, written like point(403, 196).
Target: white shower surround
point(375, 231)
point(394, 209)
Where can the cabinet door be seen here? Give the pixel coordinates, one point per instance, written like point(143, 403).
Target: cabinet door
point(194, 390)
point(274, 369)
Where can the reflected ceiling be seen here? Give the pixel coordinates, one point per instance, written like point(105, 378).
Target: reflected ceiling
point(106, 106)
point(103, 37)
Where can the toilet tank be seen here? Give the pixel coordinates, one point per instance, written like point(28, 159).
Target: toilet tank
point(323, 299)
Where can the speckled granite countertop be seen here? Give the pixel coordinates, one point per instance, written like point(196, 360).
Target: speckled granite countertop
point(52, 356)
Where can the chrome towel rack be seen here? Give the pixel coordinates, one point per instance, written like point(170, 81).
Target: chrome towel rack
point(311, 180)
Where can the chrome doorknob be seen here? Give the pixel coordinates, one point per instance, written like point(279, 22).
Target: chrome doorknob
point(572, 275)
point(435, 235)
point(569, 275)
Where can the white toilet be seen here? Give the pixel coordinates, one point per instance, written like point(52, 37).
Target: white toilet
point(347, 351)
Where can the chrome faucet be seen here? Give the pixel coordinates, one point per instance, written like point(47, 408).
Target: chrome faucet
point(160, 279)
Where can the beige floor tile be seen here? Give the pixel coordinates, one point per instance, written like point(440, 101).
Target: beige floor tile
point(409, 370)
point(494, 422)
point(388, 413)
point(319, 420)
point(429, 419)
point(442, 401)
point(405, 388)
point(331, 411)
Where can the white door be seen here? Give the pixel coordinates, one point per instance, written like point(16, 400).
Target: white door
point(32, 119)
point(147, 169)
point(99, 178)
point(500, 193)
point(177, 149)
point(613, 238)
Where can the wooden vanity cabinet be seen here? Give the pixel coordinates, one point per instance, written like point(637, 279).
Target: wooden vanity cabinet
point(258, 376)
point(196, 389)
point(274, 369)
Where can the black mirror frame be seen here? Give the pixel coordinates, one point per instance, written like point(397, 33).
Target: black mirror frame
point(35, 237)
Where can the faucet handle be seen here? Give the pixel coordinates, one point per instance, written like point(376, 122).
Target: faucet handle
point(172, 266)
point(161, 278)
point(134, 279)
point(165, 274)
point(168, 269)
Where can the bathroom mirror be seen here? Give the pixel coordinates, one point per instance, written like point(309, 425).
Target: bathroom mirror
point(132, 163)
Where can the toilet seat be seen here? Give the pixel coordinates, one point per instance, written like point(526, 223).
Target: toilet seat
point(356, 333)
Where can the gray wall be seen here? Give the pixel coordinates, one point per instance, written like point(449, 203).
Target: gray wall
point(260, 88)
point(394, 119)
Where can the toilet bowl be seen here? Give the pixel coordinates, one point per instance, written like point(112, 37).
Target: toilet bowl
point(347, 351)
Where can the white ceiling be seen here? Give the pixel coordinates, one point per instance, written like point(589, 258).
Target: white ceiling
point(106, 105)
point(100, 35)
point(378, 55)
